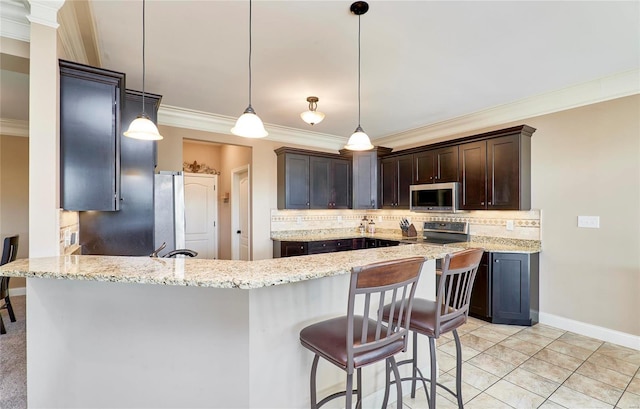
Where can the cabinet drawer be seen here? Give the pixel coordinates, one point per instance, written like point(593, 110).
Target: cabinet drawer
point(328, 246)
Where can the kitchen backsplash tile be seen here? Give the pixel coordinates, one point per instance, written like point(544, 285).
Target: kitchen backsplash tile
point(526, 224)
point(69, 229)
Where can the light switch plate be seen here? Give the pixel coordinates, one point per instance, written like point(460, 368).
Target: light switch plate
point(510, 225)
point(590, 222)
point(339, 219)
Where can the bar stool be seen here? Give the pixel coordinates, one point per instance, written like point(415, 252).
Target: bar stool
point(9, 253)
point(446, 314)
point(361, 338)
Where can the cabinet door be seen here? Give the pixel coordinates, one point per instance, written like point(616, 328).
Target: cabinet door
point(503, 175)
point(480, 306)
point(365, 181)
point(510, 282)
point(425, 164)
point(405, 179)
point(446, 164)
point(320, 192)
point(90, 104)
point(296, 181)
point(293, 248)
point(473, 158)
point(341, 188)
point(388, 185)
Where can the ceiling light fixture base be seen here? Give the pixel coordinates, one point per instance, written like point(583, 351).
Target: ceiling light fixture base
point(359, 8)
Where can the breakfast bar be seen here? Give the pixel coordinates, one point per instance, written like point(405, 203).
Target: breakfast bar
point(153, 332)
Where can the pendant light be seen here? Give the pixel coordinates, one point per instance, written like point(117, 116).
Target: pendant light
point(142, 127)
point(312, 116)
point(249, 125)
point(359, 140)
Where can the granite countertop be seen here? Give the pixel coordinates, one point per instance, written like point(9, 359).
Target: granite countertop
point(212, 273)
point(490, 244)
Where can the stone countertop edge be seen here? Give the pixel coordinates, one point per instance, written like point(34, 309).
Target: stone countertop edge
point(490, 244)
point(212, 273)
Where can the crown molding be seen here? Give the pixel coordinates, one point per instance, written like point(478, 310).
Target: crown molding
point(203, 121)
point(615, 86)
point(70, 35)
point(14, 127)
point(13, 16)
point(45, 12)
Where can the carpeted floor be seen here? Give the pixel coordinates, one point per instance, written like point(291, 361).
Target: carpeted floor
point(13, 360)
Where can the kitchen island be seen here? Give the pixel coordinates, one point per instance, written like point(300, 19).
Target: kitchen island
point(143, 332)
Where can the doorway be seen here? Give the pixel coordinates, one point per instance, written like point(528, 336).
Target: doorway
point(240, 214)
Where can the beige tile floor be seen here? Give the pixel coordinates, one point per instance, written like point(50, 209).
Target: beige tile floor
point(534, 367)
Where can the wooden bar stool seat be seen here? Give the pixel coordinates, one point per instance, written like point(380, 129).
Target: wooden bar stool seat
point(9, 253)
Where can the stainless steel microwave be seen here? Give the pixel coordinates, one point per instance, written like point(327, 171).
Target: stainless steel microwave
point(435, 197)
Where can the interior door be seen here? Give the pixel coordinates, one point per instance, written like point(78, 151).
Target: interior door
point(201, 214)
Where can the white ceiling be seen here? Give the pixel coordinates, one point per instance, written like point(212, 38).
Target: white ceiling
point(422, 61)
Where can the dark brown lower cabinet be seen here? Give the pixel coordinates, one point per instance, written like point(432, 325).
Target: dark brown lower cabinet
point(302, 248)
point(506, 290)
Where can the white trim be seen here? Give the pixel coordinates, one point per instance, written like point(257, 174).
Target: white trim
point(600, 90)
point(17, 291)
point(13, 19)
point(590, 330)
point(70, 35)
point(14, 127)
point(203, 121)
point(45, 12)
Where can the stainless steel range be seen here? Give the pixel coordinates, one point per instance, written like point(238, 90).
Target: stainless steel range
point(445, 232)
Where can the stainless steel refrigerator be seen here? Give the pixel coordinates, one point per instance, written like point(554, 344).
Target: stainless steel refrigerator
point(151, 212)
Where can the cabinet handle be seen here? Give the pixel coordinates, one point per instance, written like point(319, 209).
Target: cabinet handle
point(496, 261)
point(481, 203)
point(489, 203)
point(301, 247)
point(307, 203)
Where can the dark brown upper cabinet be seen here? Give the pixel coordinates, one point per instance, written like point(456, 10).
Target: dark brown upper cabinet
point(313, 180)
point(436, 165)
point(495, 173)
point(330, 186)
point(396, 175)
point(90, 115)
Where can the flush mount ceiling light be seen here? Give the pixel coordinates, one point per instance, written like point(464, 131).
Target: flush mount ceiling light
point(312, 116)
point(249, 125)
point(142, 127)
point(359, 141)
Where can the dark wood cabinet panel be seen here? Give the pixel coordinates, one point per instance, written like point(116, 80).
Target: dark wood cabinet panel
point(480, 306)
point(90, 117)
point(506, 185)
point(436, 165)
point(473, 175)
point(293, 181)
point(313, 180)
point(365, 180)
point(495, 174)
point(101, 232)
point(289, 248)
point(514, 280)
point(396, 175)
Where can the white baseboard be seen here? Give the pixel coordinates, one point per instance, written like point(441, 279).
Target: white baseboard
point(17, 291)
point(590, 330)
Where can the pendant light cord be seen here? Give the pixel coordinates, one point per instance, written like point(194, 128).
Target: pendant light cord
point(143, 53)
point(250, 13)
point(358, 70)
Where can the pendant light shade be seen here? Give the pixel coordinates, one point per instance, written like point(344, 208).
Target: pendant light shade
point(249, 124)
point(142, 127)
point(359, 140)
point(312, 116)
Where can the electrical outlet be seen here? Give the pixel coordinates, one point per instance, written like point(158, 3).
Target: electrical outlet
point(299, 220)
point(339, 219)
point(590, 222)
point(379, 219)
point(510, 225)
